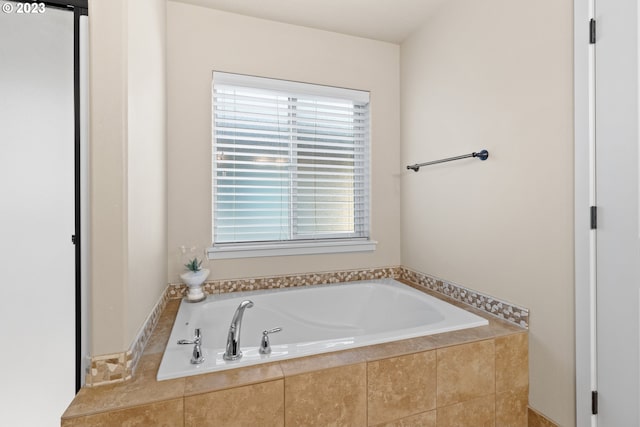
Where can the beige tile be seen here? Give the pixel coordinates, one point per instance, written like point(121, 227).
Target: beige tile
point(511, 409)
point(141, 390)
point(159, 414)
point(232, 378)
point(172, 306)
point(398, 348)
point(426, 419)
point(536, 419)
point(502, 327)
point(170, 311)
point(318, 362)
point(158, 340)
point(465, 372)
point(148, 367)
point(249, 406)
point(401, 386)
point(334, 397)
point(472, 413)
point(512, 362)
point(463, 336)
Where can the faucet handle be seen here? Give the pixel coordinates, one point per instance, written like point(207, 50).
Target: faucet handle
point(196, 340)
point(265, 345)
point(197, 356)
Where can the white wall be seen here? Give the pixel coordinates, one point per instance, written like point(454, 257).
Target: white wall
point(497, 75)
point(201, 40)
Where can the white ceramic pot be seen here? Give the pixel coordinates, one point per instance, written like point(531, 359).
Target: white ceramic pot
point(194, 281)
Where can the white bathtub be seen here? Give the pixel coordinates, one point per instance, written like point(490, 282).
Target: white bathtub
point(314, 319)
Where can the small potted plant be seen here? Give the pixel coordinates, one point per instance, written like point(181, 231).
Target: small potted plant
point(194, 278)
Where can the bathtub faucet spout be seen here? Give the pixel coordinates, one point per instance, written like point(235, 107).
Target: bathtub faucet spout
point(233, 339)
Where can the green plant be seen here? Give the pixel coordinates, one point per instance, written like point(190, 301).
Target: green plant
point(194, 265)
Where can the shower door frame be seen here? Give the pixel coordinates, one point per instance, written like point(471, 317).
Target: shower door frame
point(80, 9)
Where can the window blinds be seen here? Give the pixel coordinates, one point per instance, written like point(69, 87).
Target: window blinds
point(290, 161)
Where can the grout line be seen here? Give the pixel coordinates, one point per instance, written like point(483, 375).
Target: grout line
point(366, 389)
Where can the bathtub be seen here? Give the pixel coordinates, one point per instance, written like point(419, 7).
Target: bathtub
point(314, 319)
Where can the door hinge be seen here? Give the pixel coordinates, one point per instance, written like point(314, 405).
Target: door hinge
point(73, 239)
point(592, 31)
point(594, 217)
point(594, 403)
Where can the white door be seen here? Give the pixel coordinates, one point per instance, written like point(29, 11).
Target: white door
point(37, 257)
point(618, 222)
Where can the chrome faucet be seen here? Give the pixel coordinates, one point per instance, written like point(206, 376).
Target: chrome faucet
point(233, 339)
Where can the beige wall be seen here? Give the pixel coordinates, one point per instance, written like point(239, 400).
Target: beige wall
point(108, 251)
point(476, 75)
point(127, 168)
point(201, 40)
point(497, 74)
point(147, 159)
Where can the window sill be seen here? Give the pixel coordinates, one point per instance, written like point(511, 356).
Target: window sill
point(253, 250)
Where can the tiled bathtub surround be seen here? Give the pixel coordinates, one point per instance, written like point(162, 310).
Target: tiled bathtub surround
point(463, 378)
point(119, 367)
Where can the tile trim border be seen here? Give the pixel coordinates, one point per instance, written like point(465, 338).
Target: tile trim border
point(179, 290)
point(502, 309)
point(120, 367)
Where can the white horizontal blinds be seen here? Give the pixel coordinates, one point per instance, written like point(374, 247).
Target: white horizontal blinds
point(251, 166)
point(290, 160)
point(329, 145)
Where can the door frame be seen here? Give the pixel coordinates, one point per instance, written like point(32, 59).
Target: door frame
point(584, 198)
point(81, 106)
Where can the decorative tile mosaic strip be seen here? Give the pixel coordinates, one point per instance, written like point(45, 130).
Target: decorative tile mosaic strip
point(289, 281)
point(119, 367)
point(504, 310)
point(107, 369)
point(140, 342)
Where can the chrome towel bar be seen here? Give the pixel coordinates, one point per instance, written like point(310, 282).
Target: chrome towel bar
point(482, 155)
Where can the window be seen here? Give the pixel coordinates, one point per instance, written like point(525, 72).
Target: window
point(290, 168)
